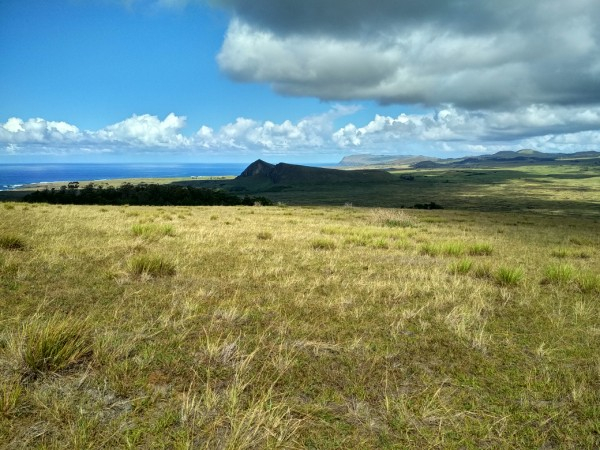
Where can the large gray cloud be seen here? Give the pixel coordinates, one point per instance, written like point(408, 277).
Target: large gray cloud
point(471, 53)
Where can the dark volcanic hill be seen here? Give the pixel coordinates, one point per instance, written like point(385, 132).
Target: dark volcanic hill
point(296, 174)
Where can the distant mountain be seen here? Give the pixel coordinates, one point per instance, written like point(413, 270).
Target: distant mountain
point(525, 156)
point(502, 158)
point(390, 160)
point(295, 174)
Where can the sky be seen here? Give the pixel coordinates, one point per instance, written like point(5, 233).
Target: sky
point(295, 80)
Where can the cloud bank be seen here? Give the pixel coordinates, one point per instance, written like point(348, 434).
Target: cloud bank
point(447, 129)
point(473, 54)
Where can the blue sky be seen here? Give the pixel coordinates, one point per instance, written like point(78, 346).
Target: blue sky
point(298, 81)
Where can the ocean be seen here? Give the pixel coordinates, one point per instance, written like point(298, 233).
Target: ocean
point(14, 175)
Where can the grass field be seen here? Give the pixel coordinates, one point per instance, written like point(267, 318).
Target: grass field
point(298, 327)
point(557, 190)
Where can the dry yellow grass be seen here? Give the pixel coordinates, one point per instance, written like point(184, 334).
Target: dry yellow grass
point(301, 327)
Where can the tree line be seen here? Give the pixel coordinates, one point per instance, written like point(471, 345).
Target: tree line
point(142, 194)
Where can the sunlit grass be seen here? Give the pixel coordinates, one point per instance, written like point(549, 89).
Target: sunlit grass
point(296, 327)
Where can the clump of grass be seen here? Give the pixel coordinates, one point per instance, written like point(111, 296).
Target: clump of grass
point(264, 235)
point(480, 249)
point(393, 218)
point(10, 394)
point(150, 230)
point(453, 249)
point(357, 240)
point(559, 274)
point(559, 253)
point(381, 243)
point(461, 267)
point(51, 346)
point(10, 242)
point(151, 266)
point(323, 244)
point(509, 276)
point(9, 206)
point(588, 282)
point(431, 249)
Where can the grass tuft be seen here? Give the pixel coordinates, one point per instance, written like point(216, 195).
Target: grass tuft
point(559, 274)
point(53, 345)
point(461, 267)
point(264, 235)
point(453, 249)
point(480, 250)
point(150, 230)
point(151, 266)
point(323, 244)
point(588, 282)
point(10, 395)
point(393, 218)
point(509, 276)
point(431, 249)
point(559, 253)
point(9, 242)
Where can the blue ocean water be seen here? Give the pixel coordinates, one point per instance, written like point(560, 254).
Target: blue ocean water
point(15, 175)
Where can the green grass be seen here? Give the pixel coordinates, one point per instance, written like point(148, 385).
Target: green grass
point(323, 244)
point(560, 274)
point(509, 276)
point(151, 266)
point(480, 249)
point(338, 332)
point(151, 231)
point(461, 267)
point(52, 345)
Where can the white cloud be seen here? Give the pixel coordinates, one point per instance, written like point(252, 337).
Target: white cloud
point(448, 129)
point(146, 130)
point(469, 53)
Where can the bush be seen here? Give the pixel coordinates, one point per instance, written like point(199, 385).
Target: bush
point(143, 194)
point(152, 266)
point(12, 243)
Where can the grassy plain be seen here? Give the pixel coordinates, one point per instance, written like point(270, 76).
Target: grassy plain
point(307, 326)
